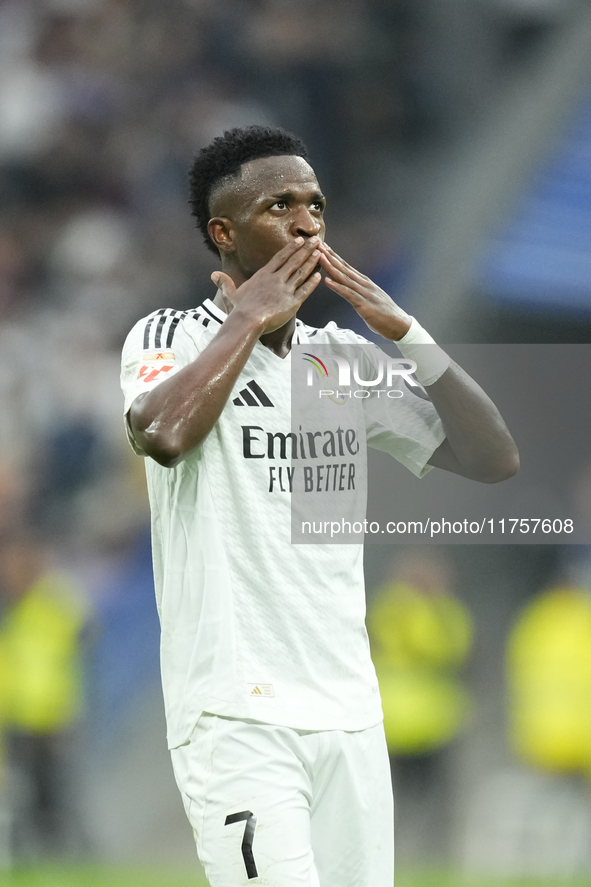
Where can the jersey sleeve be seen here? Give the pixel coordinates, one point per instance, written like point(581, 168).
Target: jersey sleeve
point(157, 347)
point(406, 426)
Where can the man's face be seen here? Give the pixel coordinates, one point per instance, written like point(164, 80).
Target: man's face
point(275, 200)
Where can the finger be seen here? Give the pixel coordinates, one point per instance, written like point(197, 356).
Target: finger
point(227, 288)
point(337, 262)
point(305, 269)
point(285, 253)
point(351, 295)
point(330, 251)
point(336, 266)
point(308, 286)
point(224, 282)
point(297, 259)
point(340, 263)
point(359, 283)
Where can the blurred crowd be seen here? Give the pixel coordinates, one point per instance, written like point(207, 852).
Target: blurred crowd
point(424, 641)
point(421, 636)
point(103, 104)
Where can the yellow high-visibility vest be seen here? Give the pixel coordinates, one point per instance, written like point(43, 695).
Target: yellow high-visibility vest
point(418, 643)
point(549, 681)
point(39, 647)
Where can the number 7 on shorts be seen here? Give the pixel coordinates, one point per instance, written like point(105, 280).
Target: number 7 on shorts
point(247, 854)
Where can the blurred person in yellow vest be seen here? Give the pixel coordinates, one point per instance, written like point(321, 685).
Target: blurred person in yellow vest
point(420, 636)
point(42, 617)
point(549, 680)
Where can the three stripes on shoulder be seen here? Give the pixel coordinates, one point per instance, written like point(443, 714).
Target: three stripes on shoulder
point(159, 332)
point(161, 325)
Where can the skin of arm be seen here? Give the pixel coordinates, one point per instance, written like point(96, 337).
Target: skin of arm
point(478, 444)
point(172, 419)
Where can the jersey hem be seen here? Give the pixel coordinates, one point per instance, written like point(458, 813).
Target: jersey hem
point(310, 726)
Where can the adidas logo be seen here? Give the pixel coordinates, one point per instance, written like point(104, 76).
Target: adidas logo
point(261, 690)
point(247, 397)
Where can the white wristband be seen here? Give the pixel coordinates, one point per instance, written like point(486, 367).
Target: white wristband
point(431, 362)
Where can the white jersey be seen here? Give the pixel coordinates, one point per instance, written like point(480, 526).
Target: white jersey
point(254, 627)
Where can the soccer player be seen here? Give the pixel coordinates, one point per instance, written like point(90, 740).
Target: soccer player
point(273, 711)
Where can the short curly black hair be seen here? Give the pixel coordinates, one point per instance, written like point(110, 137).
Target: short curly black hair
point(223, 158)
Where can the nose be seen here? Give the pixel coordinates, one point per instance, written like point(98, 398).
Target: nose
point(305, 224)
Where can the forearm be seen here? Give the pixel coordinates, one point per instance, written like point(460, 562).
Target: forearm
point(175, 417)
point(479, 445)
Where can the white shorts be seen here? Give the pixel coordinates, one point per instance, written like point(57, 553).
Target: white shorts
point(284, 807)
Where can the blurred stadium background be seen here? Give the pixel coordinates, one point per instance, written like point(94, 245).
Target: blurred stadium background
point(453, 139)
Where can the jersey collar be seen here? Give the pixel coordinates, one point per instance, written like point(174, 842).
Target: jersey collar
point(299, 335)
point(211, 310)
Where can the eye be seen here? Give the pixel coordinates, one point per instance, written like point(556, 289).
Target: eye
point(279, 204)
point(318, 206)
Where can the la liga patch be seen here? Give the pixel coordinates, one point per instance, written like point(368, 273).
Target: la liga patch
point(156, 364)
point(158, 355)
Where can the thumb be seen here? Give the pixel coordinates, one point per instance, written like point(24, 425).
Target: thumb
point(224, 282)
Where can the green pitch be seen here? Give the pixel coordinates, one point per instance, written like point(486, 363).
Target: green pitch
point(433, 879)
point(95, 876)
